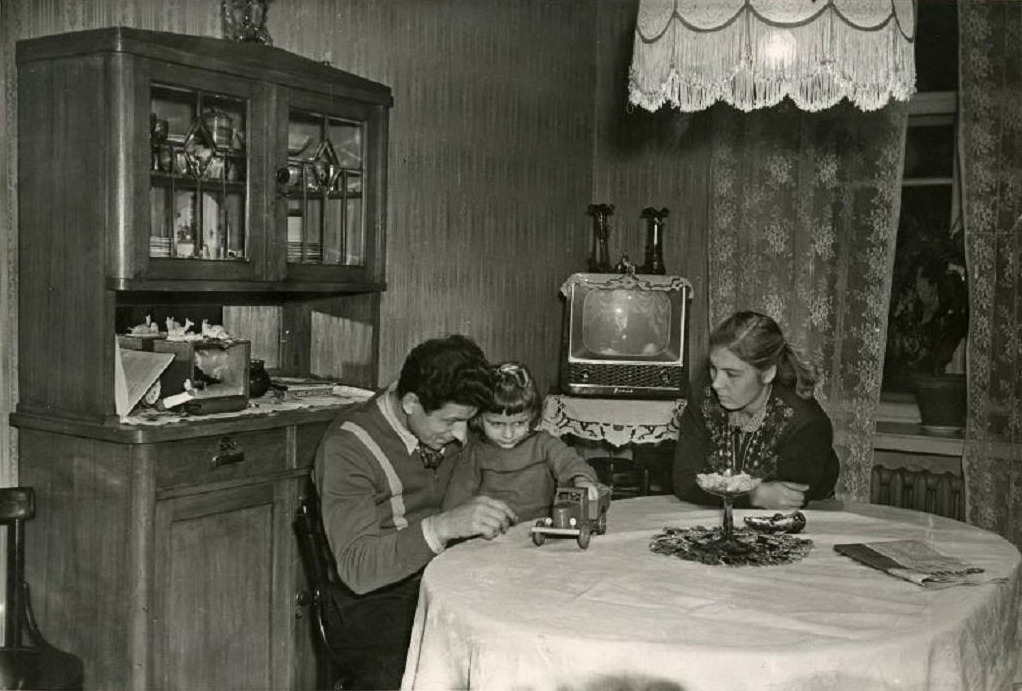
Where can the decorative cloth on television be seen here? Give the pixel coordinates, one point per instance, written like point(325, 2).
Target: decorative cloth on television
point(615, 421)
point(611, 281)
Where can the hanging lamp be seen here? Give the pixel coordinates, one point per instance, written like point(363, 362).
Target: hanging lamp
point(753, 53)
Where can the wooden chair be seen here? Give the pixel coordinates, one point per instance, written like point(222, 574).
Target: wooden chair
point(625, 477)
point(324, 584)
point(24, 665)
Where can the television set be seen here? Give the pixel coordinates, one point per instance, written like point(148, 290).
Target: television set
point(626, 336)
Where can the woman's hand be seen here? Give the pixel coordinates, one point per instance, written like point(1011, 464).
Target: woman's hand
point(779, 495)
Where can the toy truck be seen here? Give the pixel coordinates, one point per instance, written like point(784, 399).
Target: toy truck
point(574, 514)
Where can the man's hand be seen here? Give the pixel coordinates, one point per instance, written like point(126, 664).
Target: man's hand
point(480, 515)
point(779, 495)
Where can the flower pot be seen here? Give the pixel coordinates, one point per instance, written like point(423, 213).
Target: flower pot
point(942, 402)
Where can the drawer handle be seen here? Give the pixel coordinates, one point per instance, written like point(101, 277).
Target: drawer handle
point(227, 452)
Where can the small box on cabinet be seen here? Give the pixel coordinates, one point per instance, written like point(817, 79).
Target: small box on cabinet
point(215, 367)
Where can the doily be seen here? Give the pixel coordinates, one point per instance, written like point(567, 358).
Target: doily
point(747, 548)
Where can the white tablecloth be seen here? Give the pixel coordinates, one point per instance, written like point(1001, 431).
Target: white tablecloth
point(507, 614)
point(615, 421)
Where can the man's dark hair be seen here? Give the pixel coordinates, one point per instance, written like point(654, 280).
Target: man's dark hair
point(446, 370)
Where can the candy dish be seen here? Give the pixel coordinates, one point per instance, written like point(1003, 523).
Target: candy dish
point(727, 486)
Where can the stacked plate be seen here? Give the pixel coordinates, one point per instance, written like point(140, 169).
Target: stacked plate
point(159, 247)
point(313, 252)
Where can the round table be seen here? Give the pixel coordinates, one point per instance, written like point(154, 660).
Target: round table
point(508, 614)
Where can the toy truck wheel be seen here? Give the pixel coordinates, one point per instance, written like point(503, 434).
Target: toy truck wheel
point(601, 524)
point(584, 533)
point(539, 538)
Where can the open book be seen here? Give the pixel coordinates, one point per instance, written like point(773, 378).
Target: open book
point(915, 561)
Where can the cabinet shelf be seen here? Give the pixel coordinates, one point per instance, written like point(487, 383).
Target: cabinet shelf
point(144, 291)
point(313, 194)
point(166, 180)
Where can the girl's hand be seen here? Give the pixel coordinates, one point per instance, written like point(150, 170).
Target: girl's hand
point(593, 490)
point(779, 495)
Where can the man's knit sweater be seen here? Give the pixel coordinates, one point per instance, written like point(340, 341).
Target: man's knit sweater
point(375, 492)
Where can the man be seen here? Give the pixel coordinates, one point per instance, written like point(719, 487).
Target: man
point(382, 471)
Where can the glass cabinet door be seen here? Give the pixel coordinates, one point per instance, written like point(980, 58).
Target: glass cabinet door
point(198, 175)
point(323, 184)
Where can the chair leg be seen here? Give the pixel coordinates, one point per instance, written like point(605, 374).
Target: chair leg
point(31, 627)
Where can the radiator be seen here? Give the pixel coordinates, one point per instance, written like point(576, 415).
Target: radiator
point(938, 493)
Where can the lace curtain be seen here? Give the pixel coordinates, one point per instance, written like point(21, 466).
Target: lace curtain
point(990, 86)
point(803, 222)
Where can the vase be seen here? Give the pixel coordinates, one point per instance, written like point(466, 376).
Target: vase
point(599, 255)
point(258, 379)
point(654, 259)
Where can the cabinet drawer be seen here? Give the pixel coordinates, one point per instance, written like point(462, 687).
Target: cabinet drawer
point(220, 457)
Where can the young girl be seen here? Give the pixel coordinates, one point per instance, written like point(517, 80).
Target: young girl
point(511, 460)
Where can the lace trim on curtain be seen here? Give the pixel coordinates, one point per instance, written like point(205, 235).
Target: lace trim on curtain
point(753, 62)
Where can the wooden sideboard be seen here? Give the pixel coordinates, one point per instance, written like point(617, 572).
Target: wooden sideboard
point(165, 558)
point(168, 172)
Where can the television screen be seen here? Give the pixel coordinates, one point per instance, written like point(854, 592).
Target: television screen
point(623, 322)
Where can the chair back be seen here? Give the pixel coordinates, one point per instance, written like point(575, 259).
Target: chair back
point(321, 573)
point(17, 505)
point(27, 660)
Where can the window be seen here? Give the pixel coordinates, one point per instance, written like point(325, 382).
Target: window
point(928, 316)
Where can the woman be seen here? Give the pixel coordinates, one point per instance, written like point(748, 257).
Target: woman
point(757, 415)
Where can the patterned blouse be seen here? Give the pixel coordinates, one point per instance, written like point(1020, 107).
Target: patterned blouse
point(794, 442)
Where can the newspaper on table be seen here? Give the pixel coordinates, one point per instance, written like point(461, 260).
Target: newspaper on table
point(916, 561)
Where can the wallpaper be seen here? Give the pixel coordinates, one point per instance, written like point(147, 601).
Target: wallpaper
point(491, 152)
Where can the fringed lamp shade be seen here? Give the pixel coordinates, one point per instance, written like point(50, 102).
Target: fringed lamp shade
point(753, 53)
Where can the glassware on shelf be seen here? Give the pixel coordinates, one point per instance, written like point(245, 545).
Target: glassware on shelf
point(297, 144)
point(159, 129)
point(221, 126)
point(198, 169)
point(322, 182)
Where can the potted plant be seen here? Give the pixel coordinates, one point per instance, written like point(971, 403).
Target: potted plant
point(928, 322)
